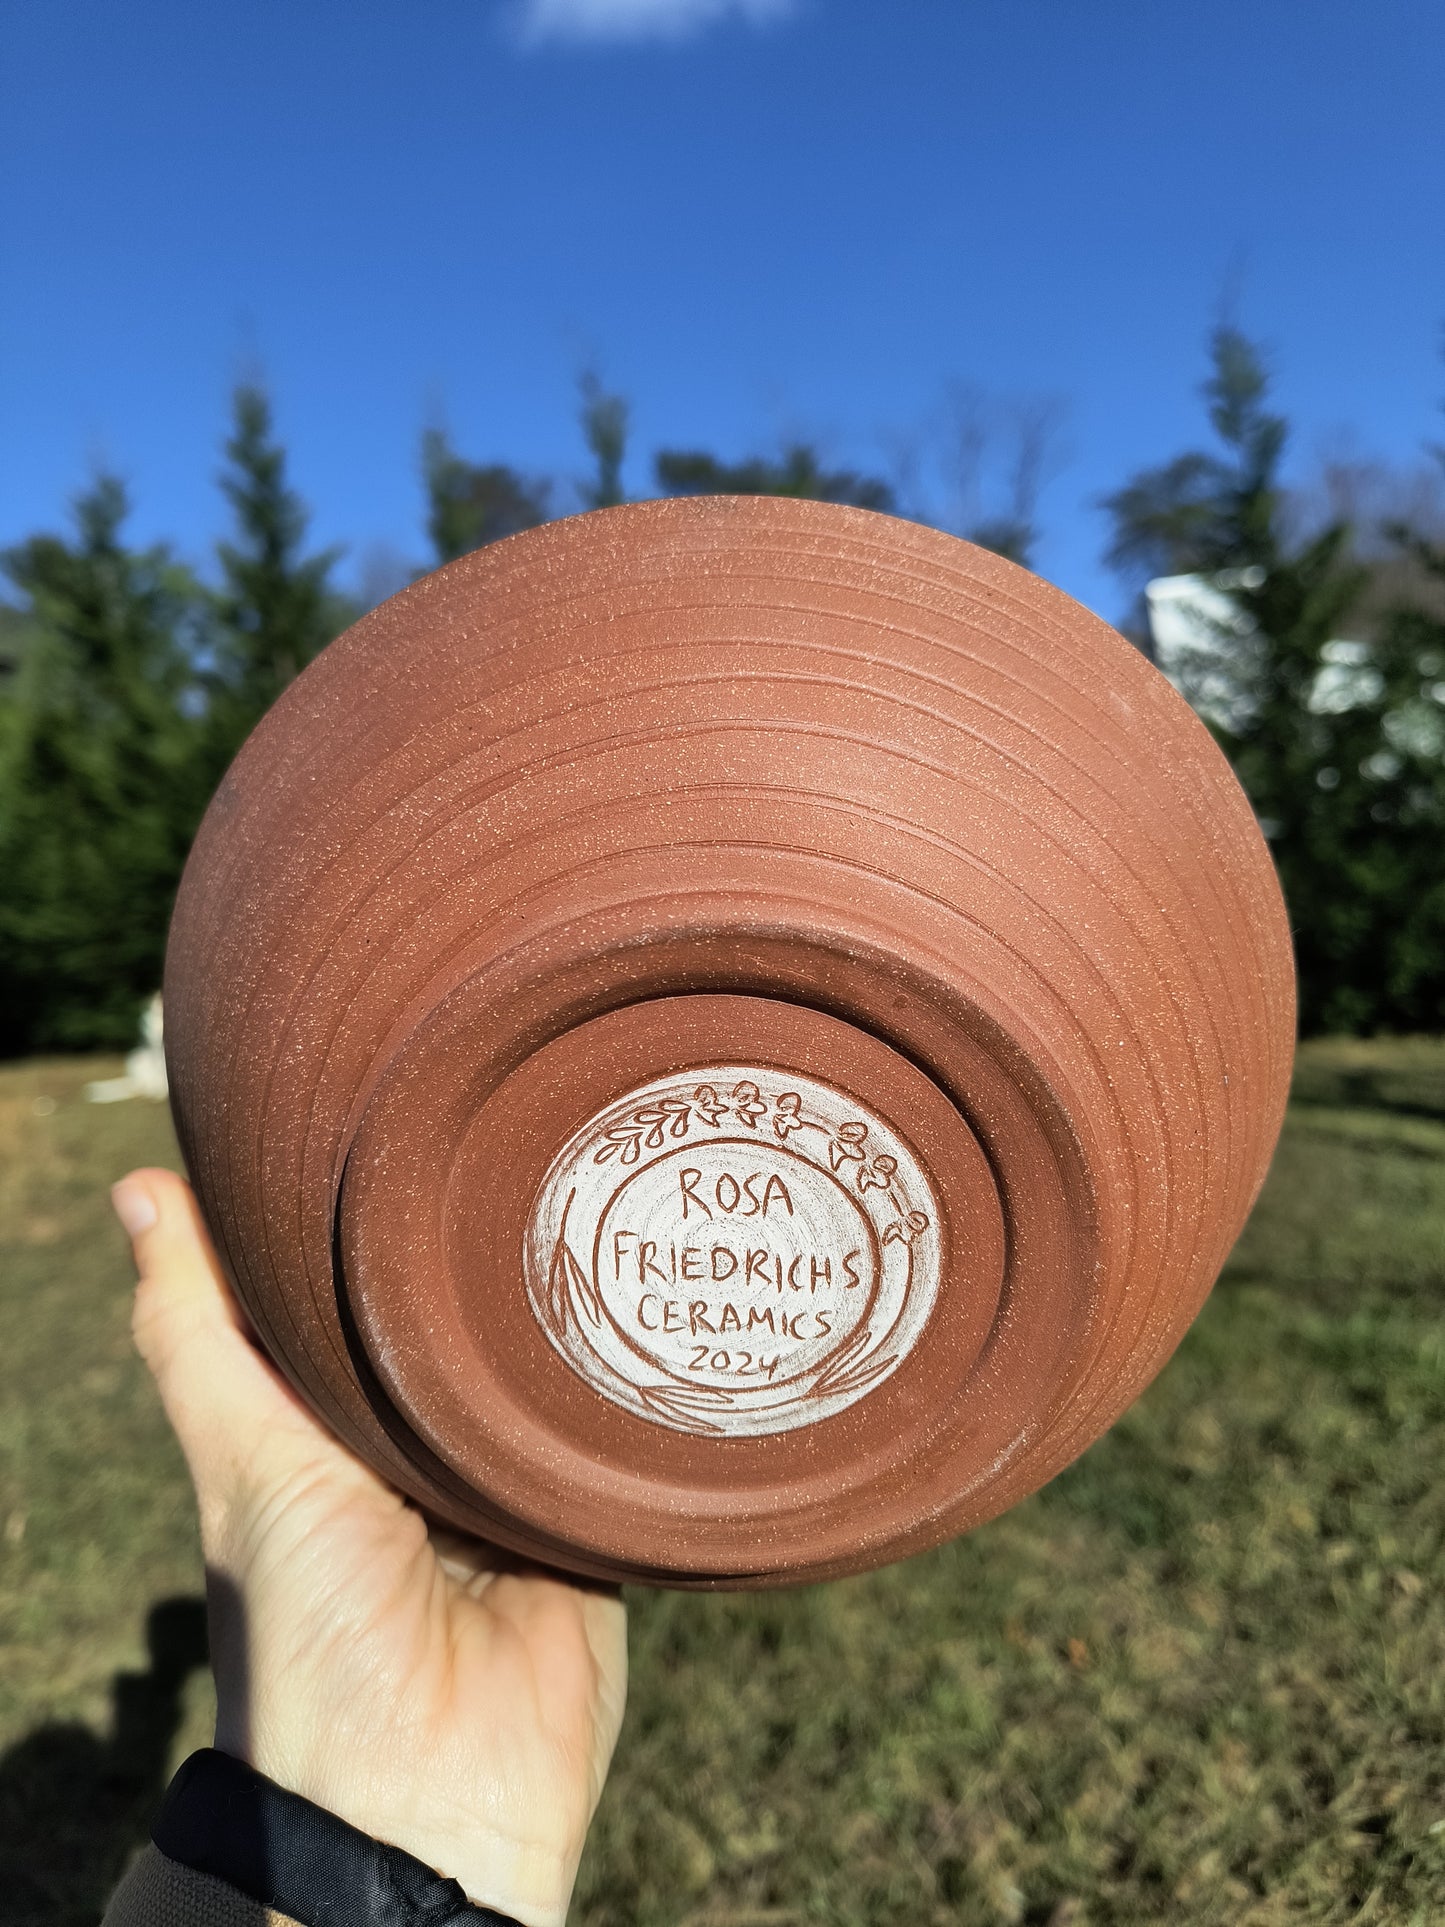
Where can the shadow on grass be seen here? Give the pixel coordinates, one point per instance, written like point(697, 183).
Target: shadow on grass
point(73, 1806)
point(1393, 1091)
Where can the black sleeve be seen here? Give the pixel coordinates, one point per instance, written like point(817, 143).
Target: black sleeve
point(223, 1819)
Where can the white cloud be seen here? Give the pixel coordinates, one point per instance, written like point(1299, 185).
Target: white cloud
point(619, 20)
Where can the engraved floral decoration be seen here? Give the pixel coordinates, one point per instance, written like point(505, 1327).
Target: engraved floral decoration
point(569, 1289)
point(850, 1370)
point(571, 1305)
point(651, 1125)
point(647, 1128)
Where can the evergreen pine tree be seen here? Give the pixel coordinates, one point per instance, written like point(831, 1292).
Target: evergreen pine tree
point(1400, 860)
point(101, 779)
point(276, 608)
point(1330, 732)
point(604, 429)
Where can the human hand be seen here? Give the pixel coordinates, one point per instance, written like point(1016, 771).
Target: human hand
point(422, 1686)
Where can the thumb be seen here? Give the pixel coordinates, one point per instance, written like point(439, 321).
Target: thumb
point(222, 1397)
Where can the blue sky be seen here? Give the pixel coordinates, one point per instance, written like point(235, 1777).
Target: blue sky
point(757, 219)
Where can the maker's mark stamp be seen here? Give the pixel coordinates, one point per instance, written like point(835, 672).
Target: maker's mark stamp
point(734, 1251)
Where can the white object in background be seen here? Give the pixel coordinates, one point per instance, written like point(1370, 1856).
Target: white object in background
point(145, 1067)
point(1189, 613)
point(1203, 641)
point(1207, 646)
point(1346, 681)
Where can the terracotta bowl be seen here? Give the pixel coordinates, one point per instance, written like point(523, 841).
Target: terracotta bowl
point(722, 1042)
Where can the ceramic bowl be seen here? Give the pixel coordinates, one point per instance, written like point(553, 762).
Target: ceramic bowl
point(723, 1041)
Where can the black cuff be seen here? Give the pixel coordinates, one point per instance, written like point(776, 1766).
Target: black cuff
point(222, 1818)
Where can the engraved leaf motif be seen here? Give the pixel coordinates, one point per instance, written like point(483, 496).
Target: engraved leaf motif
point(668, 1117)
point(866, 1375)
point(685, 1405)
point(837, 1366)
point(850, 1370)
point(569, 1289)
point(789, 1114)
point(840, 1153)
point(748, 1104)
point(692, 1394)
point(879, 1176)
point(624, 1140)
point(907, 1229)
point(654, 1119)
point(847, 1146)
point(709, 1105)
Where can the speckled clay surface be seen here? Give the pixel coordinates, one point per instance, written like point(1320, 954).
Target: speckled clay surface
point(723, 1041)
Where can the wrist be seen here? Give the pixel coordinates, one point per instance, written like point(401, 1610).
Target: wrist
point(528, 1881)
point(223, 1819)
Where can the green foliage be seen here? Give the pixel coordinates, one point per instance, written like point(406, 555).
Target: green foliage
point(276, 608)
point(1338, 739)
point(1198, 1680)
point(1008, 536)
point(129, 688)
point(102, 780)
point(125, 687)
point(604, 429)
point(471, 504)
point(798, 473)
point(18, 635)
point(1206, 512)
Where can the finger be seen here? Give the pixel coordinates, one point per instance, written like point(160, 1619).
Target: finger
point(472, 1563)
point(221, 1396)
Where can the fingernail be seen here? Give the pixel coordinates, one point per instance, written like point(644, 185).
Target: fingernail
point(134, 1206)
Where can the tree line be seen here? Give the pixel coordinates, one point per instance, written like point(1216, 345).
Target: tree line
point(127, 683)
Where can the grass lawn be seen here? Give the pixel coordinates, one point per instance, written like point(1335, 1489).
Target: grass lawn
point(1199, 1679)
